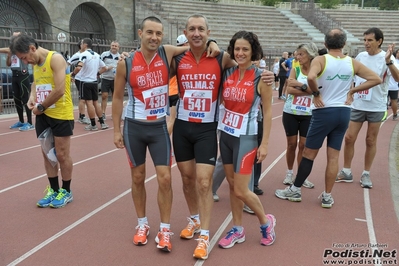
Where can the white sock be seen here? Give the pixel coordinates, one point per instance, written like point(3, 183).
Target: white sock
point(204, 233)
point(196, 217)
point(294, 188)
point(366, 172)
point(162, 225)
point(290, 171)
point(143, 221)
point(239, 228)
point(347, 170)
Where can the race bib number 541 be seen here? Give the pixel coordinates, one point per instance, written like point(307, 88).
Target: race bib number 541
point(197, 101)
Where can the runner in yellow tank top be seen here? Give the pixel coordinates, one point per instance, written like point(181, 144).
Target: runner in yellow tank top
point(50, 100)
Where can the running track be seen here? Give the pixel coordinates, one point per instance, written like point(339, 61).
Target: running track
point(97, 227)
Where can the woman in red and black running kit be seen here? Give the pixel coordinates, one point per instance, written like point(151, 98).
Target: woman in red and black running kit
point(242, 94)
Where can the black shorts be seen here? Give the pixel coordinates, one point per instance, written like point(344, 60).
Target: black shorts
point(107, 86)
point(276, 78)
point(195, 141)
point(393, 95)
point(89, 91)
point(60, 128)
point(241, 152)
point(173, 100)
point(138, 135)
point(296, 123)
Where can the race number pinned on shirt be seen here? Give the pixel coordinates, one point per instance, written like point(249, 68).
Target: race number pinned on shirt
point(301, 103)
point(42, 91)
point(15, 62)
point(197, 101)
point(232, 123)
point(363, 95)
point(155, 101)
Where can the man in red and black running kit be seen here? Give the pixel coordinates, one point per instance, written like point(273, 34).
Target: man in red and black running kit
point(146, 74)
point(194, 132)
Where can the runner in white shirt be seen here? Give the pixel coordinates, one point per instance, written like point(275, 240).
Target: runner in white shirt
point(369, 105)
point(90, 67)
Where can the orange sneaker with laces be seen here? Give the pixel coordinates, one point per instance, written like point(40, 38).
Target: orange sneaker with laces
point(140, 238)
point(192, 228)
point(201, 251)
point(163, 240)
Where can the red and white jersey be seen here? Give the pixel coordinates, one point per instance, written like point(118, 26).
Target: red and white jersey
point(147, 86)
point(238, 115)
point(199, 87)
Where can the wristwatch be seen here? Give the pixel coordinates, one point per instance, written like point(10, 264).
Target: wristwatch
point(316, 93)
point(304, 87)
point(41, 108)
point(390, 63)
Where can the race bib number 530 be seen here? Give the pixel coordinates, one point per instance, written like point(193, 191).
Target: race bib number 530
point(42, 91)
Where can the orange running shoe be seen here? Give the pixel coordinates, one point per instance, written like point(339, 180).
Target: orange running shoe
point(163, 240)
point(201, 251)
point(192, 228)
point(140, 238)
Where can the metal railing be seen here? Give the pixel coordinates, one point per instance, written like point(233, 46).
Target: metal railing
point(315, 16)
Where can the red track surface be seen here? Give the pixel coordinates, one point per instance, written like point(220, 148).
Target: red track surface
point(97, 227)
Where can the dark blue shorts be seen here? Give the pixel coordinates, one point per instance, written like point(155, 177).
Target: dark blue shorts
point(330, 122)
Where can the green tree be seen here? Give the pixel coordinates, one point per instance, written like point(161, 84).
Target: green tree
point(272, 2)
point(366, 3)
point(389, 4)
point(329, 3)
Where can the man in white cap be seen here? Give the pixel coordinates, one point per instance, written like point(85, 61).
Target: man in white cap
point(173, 90)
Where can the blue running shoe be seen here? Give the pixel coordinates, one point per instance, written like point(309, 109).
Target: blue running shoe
point(17, 125)
point(50, 196)
point(26, 127)
point(63, 198)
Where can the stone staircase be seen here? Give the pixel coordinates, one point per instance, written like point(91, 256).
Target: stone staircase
point(274, 29)
point(358, 21)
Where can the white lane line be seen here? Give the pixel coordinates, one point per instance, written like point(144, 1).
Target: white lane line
point(369, 216)
point(43, 175)
point(370, 224)
point(11, 132)
point(73, 225)
point(229, 217)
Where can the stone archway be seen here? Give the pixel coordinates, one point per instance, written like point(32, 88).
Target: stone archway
point(90, 20)
point(24, 16)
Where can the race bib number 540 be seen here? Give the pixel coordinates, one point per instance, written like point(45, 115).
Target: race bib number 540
point(232, 123)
